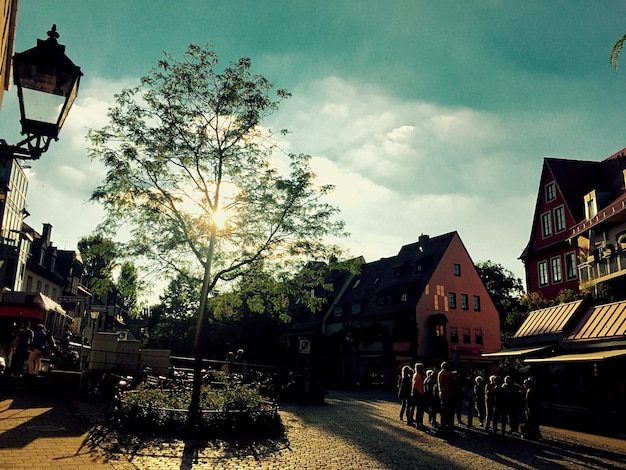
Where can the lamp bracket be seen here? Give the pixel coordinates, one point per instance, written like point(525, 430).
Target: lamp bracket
point(31, 148)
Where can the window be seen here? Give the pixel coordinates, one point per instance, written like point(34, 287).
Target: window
point(454, 334)
point(546, 225)
point(404, 297)
point(38, 288)
point(571, 271)
point(542, 273)
point(451, 300)
point(29, 284)
point(356, 308)
point(467, 338)
point(440, 331)
point(338, 310)
point(457, 269)
point(380, 300)
point(477, 303)
point(465, 301)
point(478, 335)
point(557, 274)
point(559, 219)
point(591, 208)
point(550, 192)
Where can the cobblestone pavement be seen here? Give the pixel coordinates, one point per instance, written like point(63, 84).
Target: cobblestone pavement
point(353, 430)
point(362, 431)
point(37, 432)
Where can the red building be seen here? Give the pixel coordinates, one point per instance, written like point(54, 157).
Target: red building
point(566, 190)
point(427, 304)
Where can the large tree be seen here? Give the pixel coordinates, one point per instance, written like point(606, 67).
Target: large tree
point(503, 287)
point(186, 146)
point(99, 255)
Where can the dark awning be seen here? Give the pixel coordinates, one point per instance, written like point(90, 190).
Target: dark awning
point(516, 352)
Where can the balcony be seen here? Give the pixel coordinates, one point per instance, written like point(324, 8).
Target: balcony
point(603, 267)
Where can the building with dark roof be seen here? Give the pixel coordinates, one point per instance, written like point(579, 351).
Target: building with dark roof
point(426, 304)
point(578, 221)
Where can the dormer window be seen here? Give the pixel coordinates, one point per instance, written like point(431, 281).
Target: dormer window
point(42, 257)
point(591, 205)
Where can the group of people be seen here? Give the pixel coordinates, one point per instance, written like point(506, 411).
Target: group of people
point(495, 402)
point(27, 347)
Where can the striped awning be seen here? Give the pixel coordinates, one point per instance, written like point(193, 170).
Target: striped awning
point(592, 356)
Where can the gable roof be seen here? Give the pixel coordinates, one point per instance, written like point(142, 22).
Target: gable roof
point(406, 273)
point(546, 324)
point(600, 323)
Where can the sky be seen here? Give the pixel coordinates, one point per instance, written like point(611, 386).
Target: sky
point(427, 116)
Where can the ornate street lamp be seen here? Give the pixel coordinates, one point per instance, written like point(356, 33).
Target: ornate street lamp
point(47, 85)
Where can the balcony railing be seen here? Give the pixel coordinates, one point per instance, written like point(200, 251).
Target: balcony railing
point(603, 267)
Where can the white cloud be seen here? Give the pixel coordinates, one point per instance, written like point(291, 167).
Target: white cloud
point(400, 169)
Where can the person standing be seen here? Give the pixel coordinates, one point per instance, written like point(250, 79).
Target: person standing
point(404, 390)
point(490, 397)
point(417, 395)
point(470, 396)
point(446, 381)
point(500, 405)
point(479, 393)
point(40, 341)
point(514, 402)
point(533, 408)
point(431, 396)
point(21, 344)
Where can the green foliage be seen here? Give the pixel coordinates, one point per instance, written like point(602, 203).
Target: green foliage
point(128, 285)
point(173, 321)
point(503, 287)
point(99, 256)
point(184, 146)
point(616, 51)
point(231, 410)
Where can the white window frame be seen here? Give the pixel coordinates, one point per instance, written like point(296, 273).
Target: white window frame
point(550, 191)
point(542, 273)
point(546, 224)
point(559, 219)
point(556, 268)
point(571, 266)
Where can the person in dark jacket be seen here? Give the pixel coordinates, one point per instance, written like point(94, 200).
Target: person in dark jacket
point(530, 429)
point(479, 393)
point(404, 390)
point(431, 397)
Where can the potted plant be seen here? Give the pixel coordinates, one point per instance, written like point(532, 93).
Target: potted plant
point(608, 248)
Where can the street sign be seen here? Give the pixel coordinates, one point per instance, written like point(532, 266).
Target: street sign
point(70, 298)
point(99, 308)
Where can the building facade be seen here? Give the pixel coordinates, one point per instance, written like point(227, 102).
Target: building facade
point(571, 192)
point(425, 304)
point(8, 20)
point(14, 242)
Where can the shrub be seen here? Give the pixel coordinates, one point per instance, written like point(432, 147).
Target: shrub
point(232, 409)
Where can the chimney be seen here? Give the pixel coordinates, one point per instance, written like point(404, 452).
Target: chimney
point(423, 238)
point(47, 232)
